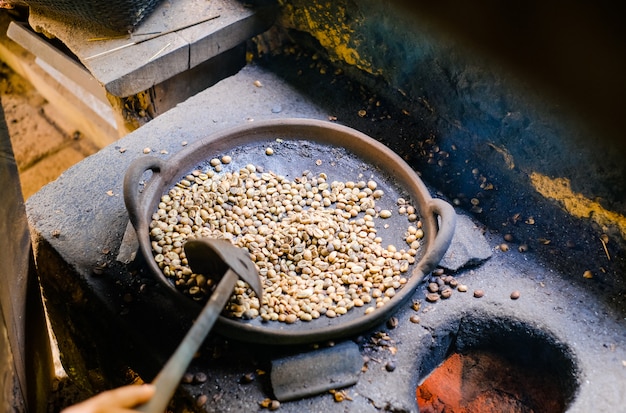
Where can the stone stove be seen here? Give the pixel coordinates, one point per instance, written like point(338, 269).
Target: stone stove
point(115, 325)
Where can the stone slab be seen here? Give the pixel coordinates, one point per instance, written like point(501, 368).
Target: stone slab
point(192, 31)
point(313, 372)
point(468, 247)
point(79, 220)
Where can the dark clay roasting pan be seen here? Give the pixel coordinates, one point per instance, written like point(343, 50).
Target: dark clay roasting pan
point(299, 145)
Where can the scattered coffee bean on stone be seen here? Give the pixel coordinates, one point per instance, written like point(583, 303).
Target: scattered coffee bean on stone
point(247, 378)
point(200, 377)
point(515, 295)
point(479, 293)
point(446, 293)
point(438, 271)
point(432, 297)
point(201, 400)
point(187, 378)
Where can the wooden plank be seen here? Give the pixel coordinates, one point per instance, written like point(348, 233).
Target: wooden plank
point(75, 112)
point(29, 40)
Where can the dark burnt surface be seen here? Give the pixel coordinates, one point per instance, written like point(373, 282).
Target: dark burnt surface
point(573, 53)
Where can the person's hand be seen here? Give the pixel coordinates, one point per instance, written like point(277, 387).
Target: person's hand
point(120, 400)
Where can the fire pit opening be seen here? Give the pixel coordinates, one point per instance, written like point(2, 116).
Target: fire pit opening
point(496, 365)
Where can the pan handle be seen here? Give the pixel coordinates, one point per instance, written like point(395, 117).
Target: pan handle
point(132, 198)
point(441, 243)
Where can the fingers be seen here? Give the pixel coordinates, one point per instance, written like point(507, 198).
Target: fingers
point(128, 396)
point(121, 399)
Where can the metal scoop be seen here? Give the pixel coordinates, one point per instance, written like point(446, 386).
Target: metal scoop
point(205, 256)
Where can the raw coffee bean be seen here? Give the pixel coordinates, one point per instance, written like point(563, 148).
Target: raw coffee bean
point(462, 288)
point(200, 377)
point(446, 293)
point(415, 319)
point(385, 213)
point(187, 378)
point(313, 225)
point(438, 271)
point(515, 295)
point(432, 297)
point(478, 293)
point(392, 322)
point(247, 378)
point(201, 400)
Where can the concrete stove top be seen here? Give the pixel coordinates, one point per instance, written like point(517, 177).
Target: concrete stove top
point(110, 316)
